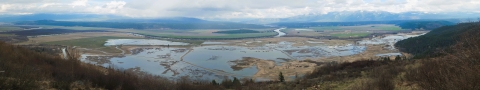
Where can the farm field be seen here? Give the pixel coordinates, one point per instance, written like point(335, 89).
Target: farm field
point(74, 36)
point(343, 31)
point(37, 32)
point(202, 34)
point(73, 28)
point(350, 35)
point(9, 28)
point(93, 42)
point(387, 27)
point(6, 35)
point(180, 34)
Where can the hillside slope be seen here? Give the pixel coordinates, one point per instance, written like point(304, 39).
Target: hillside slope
point(437, 39)
point(23, 69)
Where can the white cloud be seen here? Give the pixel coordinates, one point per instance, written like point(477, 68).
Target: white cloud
point(231, 8)
point(79, 3)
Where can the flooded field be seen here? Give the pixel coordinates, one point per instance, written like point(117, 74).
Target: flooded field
point(214, 60)
point(390, 40)
point(211, 61)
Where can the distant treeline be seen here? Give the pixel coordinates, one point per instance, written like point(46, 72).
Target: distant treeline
point(403, 24)
point(128, 25)
point(437, 39)
point(47, 32)
point(240, 31)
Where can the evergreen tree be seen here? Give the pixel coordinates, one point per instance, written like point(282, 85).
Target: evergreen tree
point(227, 83)
point(236, 82)
point(281, 78)
point(214, 82)
point(398, 58)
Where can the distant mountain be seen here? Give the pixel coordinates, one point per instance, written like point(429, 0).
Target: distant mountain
point(96, 17)
point(60, 17)
point(351, 16)
point(162, 20)
point(136, 25)
point(344, 16)
point(404, 24)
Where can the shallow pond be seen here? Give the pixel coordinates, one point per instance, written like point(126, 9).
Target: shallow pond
point(389, 54)
point(159, 61)
point(214, 61)
point(219, 57)
point(388, 39)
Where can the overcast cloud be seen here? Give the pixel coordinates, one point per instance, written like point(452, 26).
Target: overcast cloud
point(230, 8)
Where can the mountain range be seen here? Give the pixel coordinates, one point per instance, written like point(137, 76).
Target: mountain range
point(353, 16)
point(343, 16)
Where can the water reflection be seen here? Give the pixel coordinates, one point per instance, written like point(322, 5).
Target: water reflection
point(216, 61)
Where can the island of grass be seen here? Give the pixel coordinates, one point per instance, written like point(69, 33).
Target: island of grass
point(91, 43)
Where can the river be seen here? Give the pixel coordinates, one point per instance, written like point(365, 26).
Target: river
point(64, 53)
point(280, 33)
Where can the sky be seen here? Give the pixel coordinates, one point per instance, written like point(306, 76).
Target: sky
point(230, 8)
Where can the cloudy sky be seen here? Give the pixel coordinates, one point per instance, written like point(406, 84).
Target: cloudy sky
point(230, 8)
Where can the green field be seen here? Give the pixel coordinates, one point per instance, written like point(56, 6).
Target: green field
point(220, 36)
point(200, 34)
point(347, 35)
point(95, 42)
point(74, 28)
point(6, 35)
point(92, 43)
point(9, 28)
point(187, 33)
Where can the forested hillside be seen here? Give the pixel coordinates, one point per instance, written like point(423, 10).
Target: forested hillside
point(436, 40)
point(426, 25)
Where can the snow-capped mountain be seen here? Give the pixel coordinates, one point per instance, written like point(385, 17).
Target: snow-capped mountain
point(349, 16)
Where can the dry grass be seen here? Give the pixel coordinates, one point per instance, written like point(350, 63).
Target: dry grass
point(73, 36)
point(455, 71)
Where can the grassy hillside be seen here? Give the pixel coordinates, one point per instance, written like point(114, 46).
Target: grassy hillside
point(22, 69)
